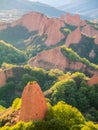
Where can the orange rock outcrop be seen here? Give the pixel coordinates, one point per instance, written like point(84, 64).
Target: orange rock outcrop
point(54, 59)
point(50, 59)
point(4, 75)
point(38, 22)
point(93, 80)
point(2, 78)
point(91, 32)
point(34, 105)
point(74, 37)
point(73, 20)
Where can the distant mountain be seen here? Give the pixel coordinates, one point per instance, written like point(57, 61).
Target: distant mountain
point(88, 8)
point(10, 10)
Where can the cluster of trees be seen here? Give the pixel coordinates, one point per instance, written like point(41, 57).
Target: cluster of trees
point(59, 117)
point(10, 54)
point(73, 89)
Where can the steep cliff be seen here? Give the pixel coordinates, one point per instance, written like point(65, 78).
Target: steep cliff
point(73, 19)
point(33, 106)
point(91, 32)
point(93, 80)
point(44, 25)
point(4, 75)
point(74, 37)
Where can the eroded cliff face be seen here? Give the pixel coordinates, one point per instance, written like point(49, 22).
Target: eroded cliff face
point(34, 105)
point(74, 37)
point(2, 78)
point(73, 20)
point(93, 80)
point(50, 59)
point(53, 59)
point(4, 75)
point(91, 32)
point(44, 25)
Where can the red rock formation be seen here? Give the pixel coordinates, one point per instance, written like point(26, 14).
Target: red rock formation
point(93, 80)
point(77, 66)
point(4, 75)
point(33, 106)
point(50, 59)
point(74, 37)
point(53, 59)
point(44, 25)
point(2, 78)
point(91, 32)
point(74, 20)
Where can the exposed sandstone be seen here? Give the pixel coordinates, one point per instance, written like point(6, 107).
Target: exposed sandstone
point(91, 32)
point(54, 59)
point(2, 78)
point(4, 75)
point(33, 106)
point(74, 37)
point(77, 66)
point(73, 20)
point(93, 80)
point(50, 59)
point(44, 25)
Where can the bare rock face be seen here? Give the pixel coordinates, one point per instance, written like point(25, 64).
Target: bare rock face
point(54, 59)
point(53, 32)
point(44, 25)
point(74, 20)
point(93, 80)
point(77, 66)
point(74, 37)
point(2, 78)
point(33, 106)
point(50, 59)
point(91, 32)
point(4, 75)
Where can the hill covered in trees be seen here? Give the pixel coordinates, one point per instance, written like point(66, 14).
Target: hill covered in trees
point(10, 54)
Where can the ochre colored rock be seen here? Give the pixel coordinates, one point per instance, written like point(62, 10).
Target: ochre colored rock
point(34, 105)
point(74, 37)
point(4, 75)
point(38, 22)
point(74, 20)
point(91, 32)
point(2, 78)
point(54, 59)
point(50, 59)
point(93, 80)
point(77, 66)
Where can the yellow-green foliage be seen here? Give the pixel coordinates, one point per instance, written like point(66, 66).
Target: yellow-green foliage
point(2, 108)
point(16, 104)
point(59, 117)
point(10, 54)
